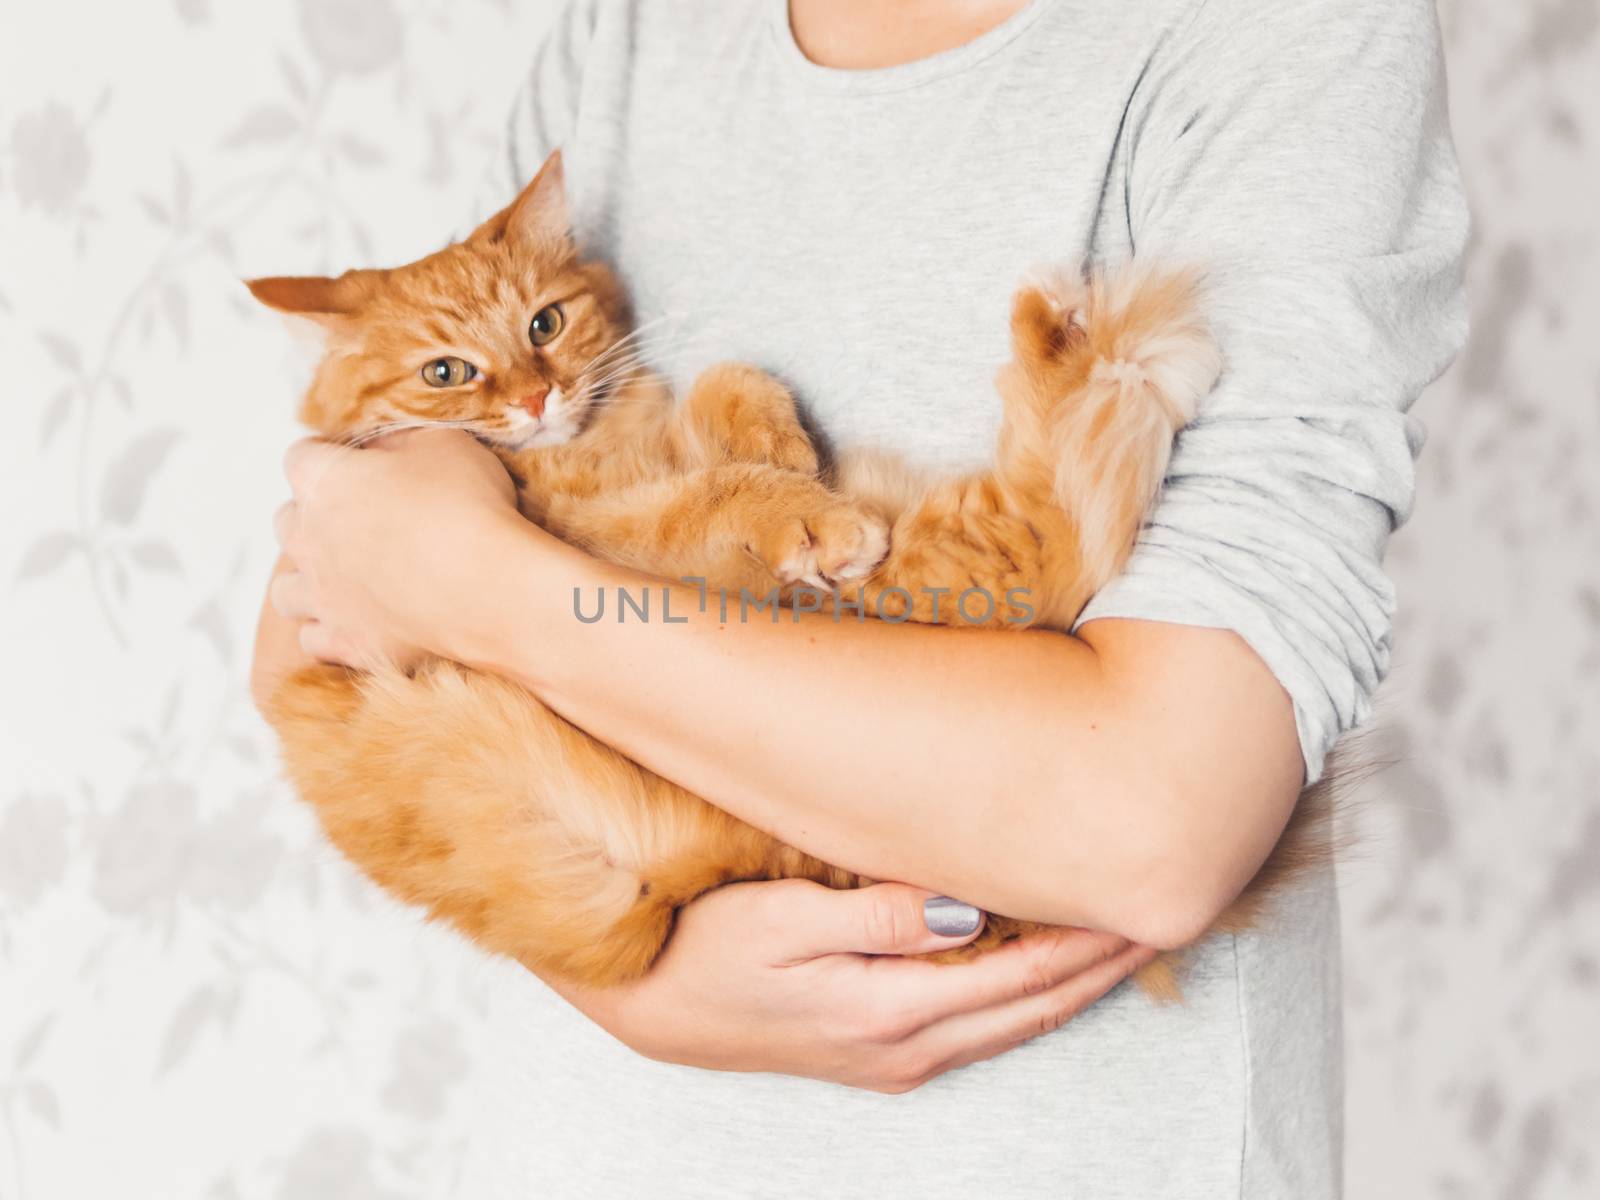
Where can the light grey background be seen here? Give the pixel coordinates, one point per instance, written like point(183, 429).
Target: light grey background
point(199, 1000)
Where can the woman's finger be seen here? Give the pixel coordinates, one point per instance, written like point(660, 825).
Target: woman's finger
point(317, 640)
point(885, 918)
point(305, 461)
point(925, 993)
point(975, 1036)
point(292, 597)
point(283, 522)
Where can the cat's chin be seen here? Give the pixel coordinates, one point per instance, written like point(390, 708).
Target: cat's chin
point(561, 421)
point(540, 435)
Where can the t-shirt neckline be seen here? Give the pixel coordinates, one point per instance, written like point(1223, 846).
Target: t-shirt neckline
point(901, 76)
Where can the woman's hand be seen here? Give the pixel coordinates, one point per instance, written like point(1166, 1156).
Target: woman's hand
point(389, 543)
point(799, 979)
point(278, 652)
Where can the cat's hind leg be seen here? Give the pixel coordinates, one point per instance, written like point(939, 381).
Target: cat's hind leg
point(1104, 374)
point(460, 793)
point(958, 557)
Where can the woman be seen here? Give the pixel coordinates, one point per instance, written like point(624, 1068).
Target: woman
point(845, 192)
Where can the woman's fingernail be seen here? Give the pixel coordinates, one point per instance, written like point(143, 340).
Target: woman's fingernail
point(950, 918)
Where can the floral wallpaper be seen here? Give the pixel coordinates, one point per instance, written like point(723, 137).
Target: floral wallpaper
point(199, 1000)
point(1472, 906)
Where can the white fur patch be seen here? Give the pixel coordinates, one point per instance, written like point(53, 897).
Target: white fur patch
point(557, 424)
point(874, 545)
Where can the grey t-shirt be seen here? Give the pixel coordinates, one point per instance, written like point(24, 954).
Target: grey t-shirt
point(859, 233)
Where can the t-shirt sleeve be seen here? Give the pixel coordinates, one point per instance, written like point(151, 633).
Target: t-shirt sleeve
point(544, 114)
point(1299, 153)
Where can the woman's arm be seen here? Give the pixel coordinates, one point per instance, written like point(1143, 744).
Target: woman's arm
point(1072, 781)
point(1101, 782)
point(791, 977)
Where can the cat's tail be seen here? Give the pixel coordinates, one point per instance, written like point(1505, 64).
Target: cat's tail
point(1106, 371)
point(1309, 843)
point(1321, 831)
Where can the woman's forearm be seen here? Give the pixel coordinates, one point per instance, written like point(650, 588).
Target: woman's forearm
point(1131, 781)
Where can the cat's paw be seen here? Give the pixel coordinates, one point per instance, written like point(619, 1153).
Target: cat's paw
point(825, 548)
point(778, 445)
point(745, 415)
point(1049, 319)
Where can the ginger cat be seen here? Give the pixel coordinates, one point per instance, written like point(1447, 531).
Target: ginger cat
point(460, 792)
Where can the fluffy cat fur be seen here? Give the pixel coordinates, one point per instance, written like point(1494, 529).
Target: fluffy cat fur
point(461, 793)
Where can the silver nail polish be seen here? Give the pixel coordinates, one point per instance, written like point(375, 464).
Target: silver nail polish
point(950, 918)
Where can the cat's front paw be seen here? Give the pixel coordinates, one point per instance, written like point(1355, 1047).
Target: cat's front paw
point(748, 416)
point(825, 548)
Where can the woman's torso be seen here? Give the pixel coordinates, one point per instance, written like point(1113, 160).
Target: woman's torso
point(859, 234)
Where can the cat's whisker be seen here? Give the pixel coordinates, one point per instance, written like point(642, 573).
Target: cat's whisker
point(623, 364)
point(623, 347)
point(606, 378)
point(637, 332)
point(652, 351)
point(616, 367)
point(642, 358)
point(651, 335)
point(355, 441)
point(670, 348)
point(655, 367)
point(630, 358)
point(647, 342)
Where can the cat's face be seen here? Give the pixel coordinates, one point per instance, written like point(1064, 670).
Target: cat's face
point(505, 334)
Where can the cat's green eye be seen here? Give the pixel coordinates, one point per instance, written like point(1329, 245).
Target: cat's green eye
point(546, 324)
point(449, 372)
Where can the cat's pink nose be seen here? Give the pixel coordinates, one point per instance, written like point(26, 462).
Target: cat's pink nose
point(533, 402)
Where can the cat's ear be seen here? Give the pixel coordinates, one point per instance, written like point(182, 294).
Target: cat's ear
point(539, 214)
point(328, 300)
